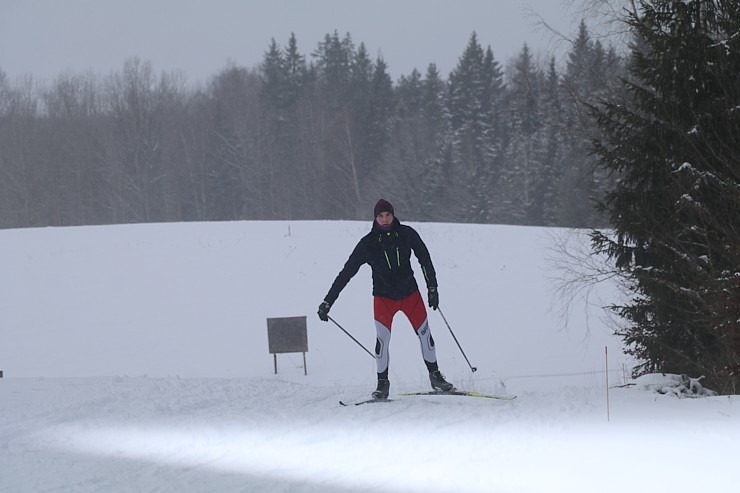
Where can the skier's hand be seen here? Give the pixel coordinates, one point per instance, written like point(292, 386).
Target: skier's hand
point(433, 296)
point(324, 311)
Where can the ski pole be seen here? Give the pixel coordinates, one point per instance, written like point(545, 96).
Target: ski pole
point(472, 368)
point(351, 337)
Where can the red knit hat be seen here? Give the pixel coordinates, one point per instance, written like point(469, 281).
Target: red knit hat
point(383, 206)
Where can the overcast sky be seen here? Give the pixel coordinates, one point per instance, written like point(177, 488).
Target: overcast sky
point(199, 37)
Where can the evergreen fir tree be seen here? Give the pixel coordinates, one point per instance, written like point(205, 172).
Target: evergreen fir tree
point(274, 76)
point(418, 132)
point(521, 178)
point(544, 209)
point(582, 85)
point(336, 125)
point(473, 151)
point(676, 208)
point(294, 71)
point(334, 63)
point(401, 172)
point(494, 108)
point(437, 145)
point(281, 153)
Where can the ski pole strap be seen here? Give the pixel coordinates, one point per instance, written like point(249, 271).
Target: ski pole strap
point(351, 337)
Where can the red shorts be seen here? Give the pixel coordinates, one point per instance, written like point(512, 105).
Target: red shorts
point(412, 306)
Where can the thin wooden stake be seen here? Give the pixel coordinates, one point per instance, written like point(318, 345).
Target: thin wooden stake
point(606, 362)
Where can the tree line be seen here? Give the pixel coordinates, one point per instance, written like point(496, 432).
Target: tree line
point(318, 136)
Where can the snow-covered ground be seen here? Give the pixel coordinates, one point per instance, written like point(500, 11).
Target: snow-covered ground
point(136, 359)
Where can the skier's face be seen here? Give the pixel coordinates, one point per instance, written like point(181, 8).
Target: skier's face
point(384, 219)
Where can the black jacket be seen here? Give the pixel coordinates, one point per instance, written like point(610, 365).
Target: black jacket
point(389, 256)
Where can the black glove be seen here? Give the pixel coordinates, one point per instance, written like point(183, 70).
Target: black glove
point(324, 311)
point(433, 297)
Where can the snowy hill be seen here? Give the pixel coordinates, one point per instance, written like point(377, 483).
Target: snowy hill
point(192, 299)
point(136, 359)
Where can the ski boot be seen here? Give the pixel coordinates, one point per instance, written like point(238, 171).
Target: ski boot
point(382, 391)
point(439, 383)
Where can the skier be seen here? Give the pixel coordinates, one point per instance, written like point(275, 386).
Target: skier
point(387, 248)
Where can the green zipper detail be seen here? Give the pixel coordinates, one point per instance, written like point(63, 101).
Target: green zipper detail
point(424, 270)
point(387, 258)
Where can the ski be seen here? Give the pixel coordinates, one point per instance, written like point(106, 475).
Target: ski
point(367, 401)
point(462, 393)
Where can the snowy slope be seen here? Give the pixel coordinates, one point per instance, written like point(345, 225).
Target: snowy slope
point(192, 299)
point(135, 359)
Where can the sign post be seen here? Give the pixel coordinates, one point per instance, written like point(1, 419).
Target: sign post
point(287, 335)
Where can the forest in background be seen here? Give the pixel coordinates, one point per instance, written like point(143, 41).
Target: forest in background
point(317, 136)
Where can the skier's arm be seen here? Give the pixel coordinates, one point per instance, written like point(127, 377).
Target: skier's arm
point(427, 268)
point(353, 264)
point(425, 259)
